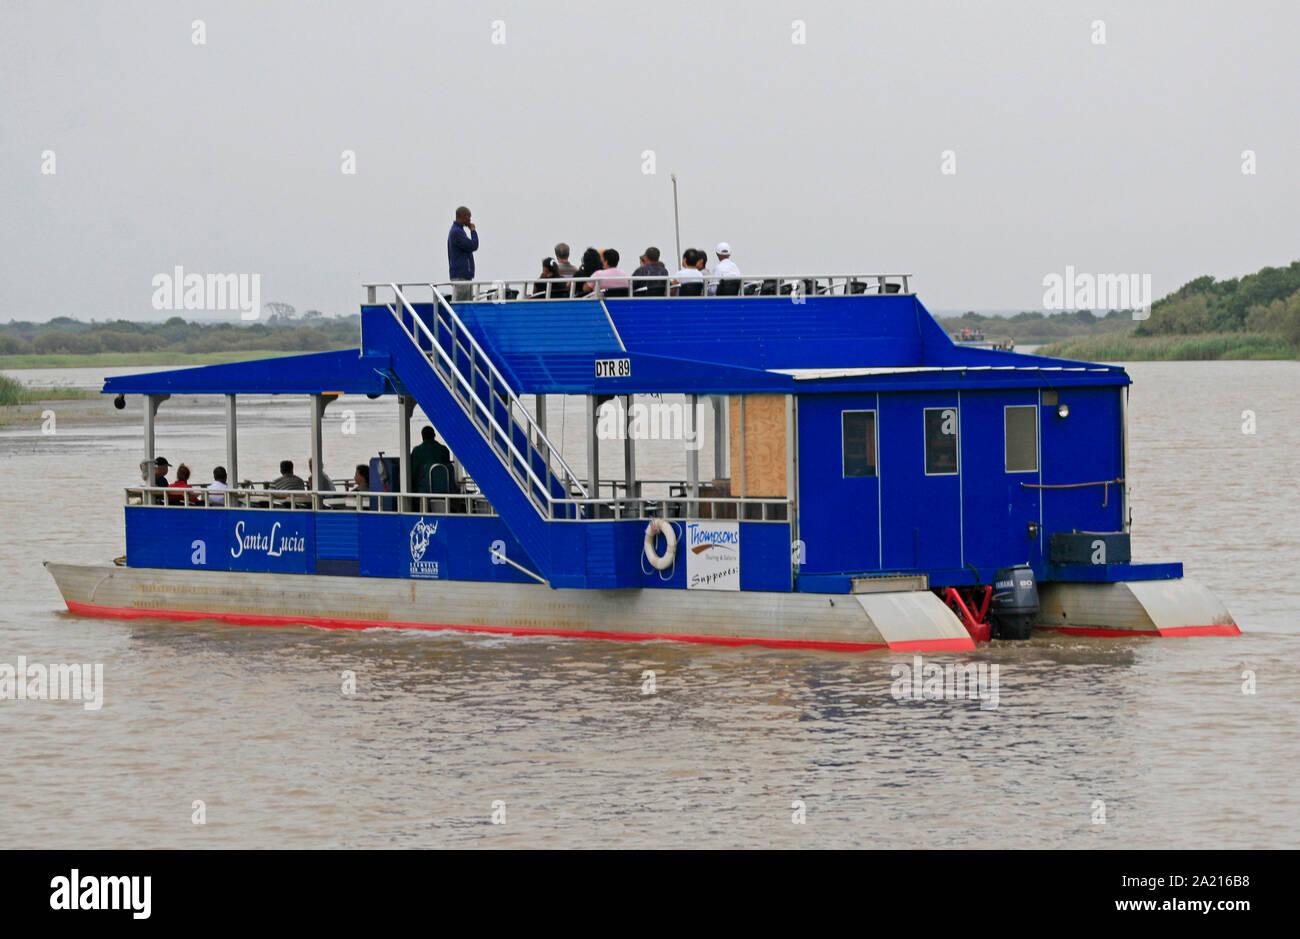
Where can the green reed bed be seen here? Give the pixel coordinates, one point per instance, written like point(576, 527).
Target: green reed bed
point(1197, 348)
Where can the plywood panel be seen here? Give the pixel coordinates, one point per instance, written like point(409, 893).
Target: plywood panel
point(760, 471)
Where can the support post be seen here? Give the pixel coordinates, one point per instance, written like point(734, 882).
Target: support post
point(719, 436)
point(232, 445)
point(405, 408)
point(693, 449)
point(151, 403)
point(593, 452)
point(629, 460)
point(742, 453)
point(317, 411)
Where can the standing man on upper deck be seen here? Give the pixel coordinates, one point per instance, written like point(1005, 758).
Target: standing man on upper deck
point(462, 242)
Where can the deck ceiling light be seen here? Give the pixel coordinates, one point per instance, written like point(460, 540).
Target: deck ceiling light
point(119, 402)
point(1062, 410)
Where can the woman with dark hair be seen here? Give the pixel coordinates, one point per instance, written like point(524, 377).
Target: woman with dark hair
point(591, 263)
point(550, 271)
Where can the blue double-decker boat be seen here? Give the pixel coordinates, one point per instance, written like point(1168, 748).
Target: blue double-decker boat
point(873, 484)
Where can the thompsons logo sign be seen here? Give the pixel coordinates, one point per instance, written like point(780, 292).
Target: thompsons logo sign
point(712, 555)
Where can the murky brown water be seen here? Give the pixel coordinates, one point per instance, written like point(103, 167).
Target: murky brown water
point(253, 721)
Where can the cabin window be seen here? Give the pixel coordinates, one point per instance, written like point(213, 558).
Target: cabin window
point(859, 443)
point(1022, 438)
point(940, 441)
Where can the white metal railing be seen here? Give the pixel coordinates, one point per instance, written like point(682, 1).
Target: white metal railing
point(687, 507)
point(481, 409)
point(302, 500)
point(659, 286)
point(197, 498)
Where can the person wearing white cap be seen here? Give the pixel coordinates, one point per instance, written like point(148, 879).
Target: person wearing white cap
point(726, 268)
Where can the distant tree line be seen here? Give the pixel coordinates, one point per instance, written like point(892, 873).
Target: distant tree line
point(1264, 302)
point(282, 330)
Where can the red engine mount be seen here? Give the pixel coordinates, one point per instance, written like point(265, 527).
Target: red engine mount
point(972, 608)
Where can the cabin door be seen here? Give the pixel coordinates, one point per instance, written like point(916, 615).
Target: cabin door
point(1085, 446)
point(1001, 459)
point(839, 485)
point(920, 462)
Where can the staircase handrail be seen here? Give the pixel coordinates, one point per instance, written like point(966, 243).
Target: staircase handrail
point(506, 435)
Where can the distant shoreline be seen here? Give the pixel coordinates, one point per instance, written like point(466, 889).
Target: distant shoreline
point(19, 403)
point(129, 359)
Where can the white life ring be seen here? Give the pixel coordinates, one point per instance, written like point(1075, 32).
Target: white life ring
point(660, 562)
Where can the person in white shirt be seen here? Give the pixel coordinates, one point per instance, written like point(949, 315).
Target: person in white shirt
point(216, 489)
point(726, 268)
point(689, 275)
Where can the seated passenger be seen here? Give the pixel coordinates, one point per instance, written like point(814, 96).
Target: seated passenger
point(562, 263)
point(689, 282)
point(540, 290)
point(726, 269)
point(217, 488)
point(650, 267)
point(609, 280)
point(591, 262)
point(326, 484)
point(425, 458)
point(160, 467)
point(287, 479)
point(361, 483)
point(182, 482)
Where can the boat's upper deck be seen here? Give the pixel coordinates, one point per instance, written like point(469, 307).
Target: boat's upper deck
point(775, 334)
point(778, 333)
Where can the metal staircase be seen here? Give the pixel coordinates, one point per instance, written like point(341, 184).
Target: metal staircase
point(512, 460)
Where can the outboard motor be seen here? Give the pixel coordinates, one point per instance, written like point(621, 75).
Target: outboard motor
point(1015, 603)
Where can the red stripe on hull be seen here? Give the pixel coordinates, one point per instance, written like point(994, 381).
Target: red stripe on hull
point(259, 619)
point(1228, 629)
point(1220, 629)
point(955, 644)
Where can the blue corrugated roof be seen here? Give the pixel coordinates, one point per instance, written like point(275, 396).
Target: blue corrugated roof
point(776, 332)
point(736, 344)
point(346, 371)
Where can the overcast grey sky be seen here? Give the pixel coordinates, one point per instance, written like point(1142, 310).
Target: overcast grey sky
point(826, 156)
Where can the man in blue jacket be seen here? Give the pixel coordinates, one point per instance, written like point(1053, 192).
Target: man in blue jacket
point(462, 242)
